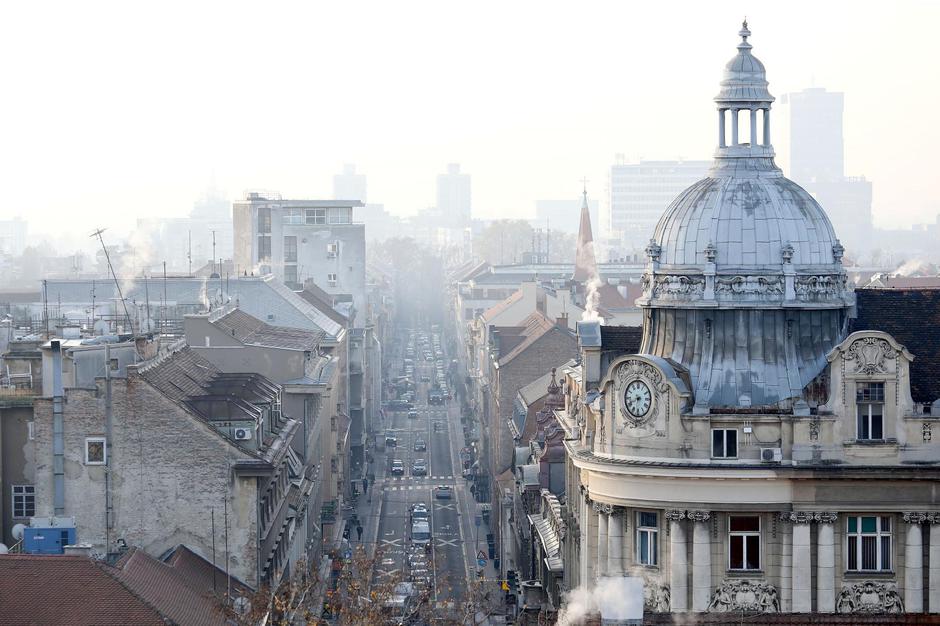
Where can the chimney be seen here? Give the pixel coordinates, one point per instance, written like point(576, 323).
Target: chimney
point(562, 320)
point(78, 549)
point(494, 342)
point(589, 340)
point(540, 299)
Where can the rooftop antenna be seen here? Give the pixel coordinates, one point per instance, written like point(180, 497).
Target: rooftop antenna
point(189, 255)
point(98, 232)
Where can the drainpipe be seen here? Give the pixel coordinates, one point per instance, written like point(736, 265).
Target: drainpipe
point(58, 440)
point(108, 506)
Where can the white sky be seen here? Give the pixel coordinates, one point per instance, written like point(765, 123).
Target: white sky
point(115, 110)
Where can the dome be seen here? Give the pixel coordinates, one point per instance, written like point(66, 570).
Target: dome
point(745, 78)
point(749, 221)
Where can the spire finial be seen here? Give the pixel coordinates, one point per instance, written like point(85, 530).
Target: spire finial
point(584, 182)
point(744, 33)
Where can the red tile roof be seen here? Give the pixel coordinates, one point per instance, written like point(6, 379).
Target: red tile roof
point(69, 590)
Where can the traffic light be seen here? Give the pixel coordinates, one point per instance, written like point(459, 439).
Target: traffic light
point(512, 580)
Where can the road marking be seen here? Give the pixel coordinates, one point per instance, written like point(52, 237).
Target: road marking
point(392, 542)
point(382, 572)
point(444, 507)
point(447, 542)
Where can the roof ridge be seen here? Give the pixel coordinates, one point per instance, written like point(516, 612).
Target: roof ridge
point(107, 570)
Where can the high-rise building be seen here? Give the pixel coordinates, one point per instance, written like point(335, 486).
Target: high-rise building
point(13, 236)
point(349, 185)
point(639, 194)
point(817, 161)
point(453, 196)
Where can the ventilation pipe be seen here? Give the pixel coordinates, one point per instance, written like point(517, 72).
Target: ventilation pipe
point(58, 432)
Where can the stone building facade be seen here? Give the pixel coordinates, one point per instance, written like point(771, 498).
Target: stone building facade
point(760, 452)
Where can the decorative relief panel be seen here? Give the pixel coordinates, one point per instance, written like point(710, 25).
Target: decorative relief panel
point(870, 355)
point(750, 286)
point(869, 597)
point(676, 286)
point(745, 595)
point(656, 596)
point(820, 287)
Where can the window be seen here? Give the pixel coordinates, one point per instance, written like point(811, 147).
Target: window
point(868, 541)
point(290, 249)
point(30, 430)
point(290, 273)
point(332, 249)
point(264, 219)
point(647, 538)
point(870, 401)
point(724, 443)
point(292, 216)
point(331, 279)
point(316, 216)
point(340, 215)
point(95, 453)
point(744, 542)
point(264, 247)
point(24, 501)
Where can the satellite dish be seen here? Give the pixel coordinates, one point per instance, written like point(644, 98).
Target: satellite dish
point(18, 531)
point(4, 549)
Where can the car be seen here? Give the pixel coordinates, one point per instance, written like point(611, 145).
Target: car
point(419, 468)
point(419, 510)
point(421, 533)
point(398, 468)
point(420, 445)
point(425, 378)
point(390, 440)
point(436, 398)
point(444, 492)
point(438, 427)
point(412, 414)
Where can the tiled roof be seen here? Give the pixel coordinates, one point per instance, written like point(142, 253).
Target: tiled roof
point(179, 374)
point(534, 327)
point(612, 300)
point(200, 574)
point(912, 317)
point(252, 331)
point(883, 281)
point(184, 598)
point(490, 315)
point(625, 339)
point(323, 301)
point(69, 590)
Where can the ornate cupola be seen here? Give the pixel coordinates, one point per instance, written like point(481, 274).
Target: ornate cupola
point(744, 283)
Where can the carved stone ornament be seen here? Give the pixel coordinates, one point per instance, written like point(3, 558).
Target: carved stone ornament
point(933, 517)
point(869, 597)
point(824, 517)
point(675, 515)
point(711, 252)
point(925, 432)
point(630, 371)
point(916, 517)
point(814, 428)
point(654, 250)
point(786, 253)
point(656, 597)
point(699, 516)
point(801, 517)
point(754, 596)
point(869, 355)
point(674, 286)
point(838, 251)
point(750, 285)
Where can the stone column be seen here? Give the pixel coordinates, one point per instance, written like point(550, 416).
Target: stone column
point(914, 563)
point(734, 127)
point(701, 560)
point(767, 126)
point(933, 574)
point(615, 542)
point(801, 572)
point(586, 557)
point(721, 128)
point(753, 127)
point(601, 539)
point(825, 562)
point(786, 564)
point(678, 562)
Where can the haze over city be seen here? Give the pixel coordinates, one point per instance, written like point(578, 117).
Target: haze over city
point(116, 111)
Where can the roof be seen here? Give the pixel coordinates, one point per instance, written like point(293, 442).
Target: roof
point(252, 331)
point(625, 339)
point(536, 390)
point(885, 281)
point(912, 317)
point(315, 295)
point(181, 588)
point(534, 327)
point(585, 264)
point(498, 309)
point(179, 374)
point(48, 590)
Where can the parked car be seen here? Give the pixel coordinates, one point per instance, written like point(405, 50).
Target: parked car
point(444, 492)
point(420, 445)
point(412, 414)
point(419, 468)
point(398, 468)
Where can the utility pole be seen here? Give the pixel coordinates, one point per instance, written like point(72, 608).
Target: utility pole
point(98, 232)
point(189, 255)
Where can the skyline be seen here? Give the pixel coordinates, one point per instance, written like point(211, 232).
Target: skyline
point(538, 108)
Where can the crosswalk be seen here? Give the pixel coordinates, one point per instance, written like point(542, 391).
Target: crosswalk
point(401, 478)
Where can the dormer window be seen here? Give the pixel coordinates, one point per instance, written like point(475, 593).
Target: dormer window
point(869, 402)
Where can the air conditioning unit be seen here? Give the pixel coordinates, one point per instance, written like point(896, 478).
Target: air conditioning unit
point(771, 455)
point(242, 434)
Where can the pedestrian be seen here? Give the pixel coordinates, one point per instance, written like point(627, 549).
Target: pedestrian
point(359, 531)
point(365, 485)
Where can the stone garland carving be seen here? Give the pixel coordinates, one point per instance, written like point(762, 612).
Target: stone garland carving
point(823, 517)
point(869, 597)
point(673, 286)
point(915, 517)
point(801, 517)
point(656, 597)
point(674, 515)
point(869, 355)
point(814, 428)
point(699, 516)
point(751, 285)
point(745, 595)
point(819, 286)
point(925, 432)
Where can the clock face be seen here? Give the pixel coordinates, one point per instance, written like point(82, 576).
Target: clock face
point(637, 398)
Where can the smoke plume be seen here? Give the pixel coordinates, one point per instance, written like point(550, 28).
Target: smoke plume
point(612, 598)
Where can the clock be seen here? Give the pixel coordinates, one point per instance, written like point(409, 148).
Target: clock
point(637, 398)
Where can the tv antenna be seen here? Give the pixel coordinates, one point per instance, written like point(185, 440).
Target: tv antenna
point(98, 232)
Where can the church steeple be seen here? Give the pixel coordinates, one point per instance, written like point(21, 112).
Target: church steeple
point(585, 265)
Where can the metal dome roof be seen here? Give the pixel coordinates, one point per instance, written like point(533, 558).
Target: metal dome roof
point(745, 78)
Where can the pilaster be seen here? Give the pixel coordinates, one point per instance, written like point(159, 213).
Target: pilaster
point(701, 560)
point(914, 562)
point(825, 562)
point(678, 562)
point(602, 516)
point(615, 542)
point(933, 574)
point(801, 572)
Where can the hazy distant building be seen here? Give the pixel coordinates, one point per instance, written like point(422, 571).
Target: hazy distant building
point(13, 236)
point(349, 185)
point(563, 215)
point(453, 196)
point(640, 193)
point(817, 161)
point(300, 240)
